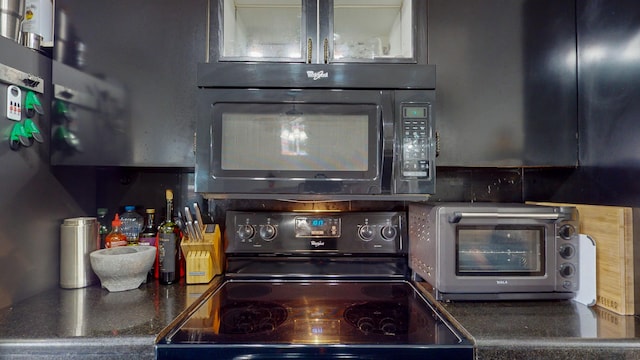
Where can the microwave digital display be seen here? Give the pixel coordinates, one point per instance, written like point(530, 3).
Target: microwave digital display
point(500, 250)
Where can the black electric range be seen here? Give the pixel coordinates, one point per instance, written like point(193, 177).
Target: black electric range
point(308, 285)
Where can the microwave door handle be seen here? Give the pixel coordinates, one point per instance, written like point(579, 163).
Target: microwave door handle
point(458, 215)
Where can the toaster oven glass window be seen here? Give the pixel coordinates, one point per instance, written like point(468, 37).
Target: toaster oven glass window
point(500, 250)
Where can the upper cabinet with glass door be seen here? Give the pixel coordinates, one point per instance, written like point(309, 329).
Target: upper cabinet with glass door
point(319, 31)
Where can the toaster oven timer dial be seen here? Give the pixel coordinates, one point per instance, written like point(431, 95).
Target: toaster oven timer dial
point(567, 251)
point(567, 231)
point(567, 270)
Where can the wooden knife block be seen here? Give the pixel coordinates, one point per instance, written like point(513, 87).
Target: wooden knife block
point(204, 259)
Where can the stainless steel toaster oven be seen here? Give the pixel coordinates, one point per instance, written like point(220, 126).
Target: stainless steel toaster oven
point(490, 251)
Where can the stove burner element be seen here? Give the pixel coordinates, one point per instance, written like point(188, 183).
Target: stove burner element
point(251, 317)
point(379, 317)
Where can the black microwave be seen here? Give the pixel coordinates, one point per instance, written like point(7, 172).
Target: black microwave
point(314, 142)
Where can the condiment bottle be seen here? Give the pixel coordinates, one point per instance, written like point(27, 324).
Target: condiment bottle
point(132, 224)
point(148, 237)
point(103, 230)
point(115, 237)
point(150, 230)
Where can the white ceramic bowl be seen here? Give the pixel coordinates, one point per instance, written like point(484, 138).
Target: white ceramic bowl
point(124, 267)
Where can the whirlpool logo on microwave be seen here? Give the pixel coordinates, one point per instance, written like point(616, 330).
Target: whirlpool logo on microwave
point(315, 75)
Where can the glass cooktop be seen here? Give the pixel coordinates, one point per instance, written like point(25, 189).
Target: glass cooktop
point(315, 313)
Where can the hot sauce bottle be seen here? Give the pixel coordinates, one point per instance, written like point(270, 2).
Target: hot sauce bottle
point(115, 237)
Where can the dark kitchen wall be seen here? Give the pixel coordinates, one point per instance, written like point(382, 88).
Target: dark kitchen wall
point(33, 199)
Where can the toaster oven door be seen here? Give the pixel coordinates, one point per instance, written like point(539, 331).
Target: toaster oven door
point(506, 250)
point(500, 250)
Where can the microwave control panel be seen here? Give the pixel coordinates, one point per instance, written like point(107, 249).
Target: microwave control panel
point(416, 141)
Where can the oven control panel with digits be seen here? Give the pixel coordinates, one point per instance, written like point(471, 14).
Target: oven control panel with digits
point(292, 232)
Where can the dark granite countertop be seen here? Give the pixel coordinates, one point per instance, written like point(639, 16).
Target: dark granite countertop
point(559, 329)
point(92, 322)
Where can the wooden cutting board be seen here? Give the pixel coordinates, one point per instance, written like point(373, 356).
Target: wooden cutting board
point(612, 229)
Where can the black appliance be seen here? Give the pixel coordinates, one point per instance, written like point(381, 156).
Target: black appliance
point(314, 143)
point(315, 285)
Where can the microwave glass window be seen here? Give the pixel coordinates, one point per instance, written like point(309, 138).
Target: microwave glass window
point(501, 250)
point(294, 142)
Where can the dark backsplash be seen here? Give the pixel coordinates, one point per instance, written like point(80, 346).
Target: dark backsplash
point(144, 187)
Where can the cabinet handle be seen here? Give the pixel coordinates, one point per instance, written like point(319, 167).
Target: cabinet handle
point(309, 50)
point(326, 50)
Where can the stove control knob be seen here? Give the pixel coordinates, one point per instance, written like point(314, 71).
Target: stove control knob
point(267, 232)
point(388, 233)
point(246, 232)
point(366, 232)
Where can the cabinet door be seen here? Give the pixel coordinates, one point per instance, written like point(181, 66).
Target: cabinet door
point(305, 31)
point(127, 72)
point(373, 31)
point(259, 31)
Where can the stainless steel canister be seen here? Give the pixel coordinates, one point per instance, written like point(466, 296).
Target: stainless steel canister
point(78, 238)
point(11, 14)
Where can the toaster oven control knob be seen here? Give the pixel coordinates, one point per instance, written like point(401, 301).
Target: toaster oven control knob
point(567, 270)
point(567, 231)
point(246, 232)
point(388, 232)
point(267, 232)
point(567, 251)
point(366, 232)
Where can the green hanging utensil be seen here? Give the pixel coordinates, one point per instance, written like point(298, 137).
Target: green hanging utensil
point(19, 137)
point(60, 112)
point(14, 138)
point(31, 129)
point(32, 104)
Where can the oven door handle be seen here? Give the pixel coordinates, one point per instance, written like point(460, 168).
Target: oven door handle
point(459, 215)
